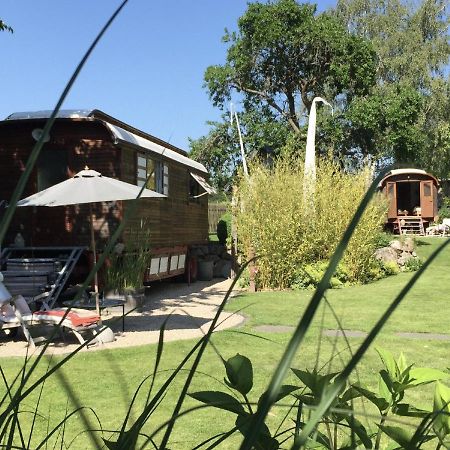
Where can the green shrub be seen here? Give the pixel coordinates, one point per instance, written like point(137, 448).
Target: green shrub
point(275, 221)
point(413, 264)
point(390, 268)
point(311, 274)
point(444, 210)
point(126, 268)
point(383, 239)
point(222, 233)
point(227, 218)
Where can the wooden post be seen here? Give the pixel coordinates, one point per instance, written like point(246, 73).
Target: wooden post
point(252, 268)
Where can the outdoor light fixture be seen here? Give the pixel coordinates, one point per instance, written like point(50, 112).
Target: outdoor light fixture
point(37, 133)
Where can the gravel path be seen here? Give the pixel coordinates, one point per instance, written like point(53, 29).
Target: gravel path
point(191, 309)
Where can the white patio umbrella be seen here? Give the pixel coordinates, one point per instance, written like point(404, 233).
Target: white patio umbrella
point(87, 186)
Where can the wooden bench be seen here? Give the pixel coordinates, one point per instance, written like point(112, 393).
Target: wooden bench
point(30, 277)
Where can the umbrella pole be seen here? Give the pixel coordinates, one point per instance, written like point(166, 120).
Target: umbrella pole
point(94, 251)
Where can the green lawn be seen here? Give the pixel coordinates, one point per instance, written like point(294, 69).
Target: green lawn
point(106, 380)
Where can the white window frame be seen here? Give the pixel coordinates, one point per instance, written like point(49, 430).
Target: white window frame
point(161, 173)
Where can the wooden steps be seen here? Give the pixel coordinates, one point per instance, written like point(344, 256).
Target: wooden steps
point(410, 225)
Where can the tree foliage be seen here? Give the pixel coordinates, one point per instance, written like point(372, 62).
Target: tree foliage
point(407, 115)
point(220, 151)
point(284, 54)
point(383, 64)
point(5, 27)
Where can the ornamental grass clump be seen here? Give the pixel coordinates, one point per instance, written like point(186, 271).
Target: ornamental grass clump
point(273, 220)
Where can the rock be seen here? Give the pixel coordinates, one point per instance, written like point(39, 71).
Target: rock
point(408, 245)
point(405, 245)
point(105, 335)
point(404, 258)
point(386, 254)
point(396, 245)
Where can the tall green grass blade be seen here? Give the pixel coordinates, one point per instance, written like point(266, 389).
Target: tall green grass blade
point(159, 352)
point(340, 381)
point(308, 316)
point(38, 402)
point(200, 353)
point(95, 441)
point(145, 414)
point(60, 424)
point(212, 438)
point(122, 433)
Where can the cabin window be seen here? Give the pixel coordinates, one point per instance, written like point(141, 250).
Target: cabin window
point(391, 190)
point(194, 189)
point(165, 179)
point(51, 168)
point(427, 189)
point(156, 173)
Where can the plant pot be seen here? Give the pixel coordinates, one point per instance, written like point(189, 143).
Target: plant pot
point(205, 270)
point(134, 298)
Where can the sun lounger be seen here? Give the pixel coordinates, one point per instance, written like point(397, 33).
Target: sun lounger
point(15, 313)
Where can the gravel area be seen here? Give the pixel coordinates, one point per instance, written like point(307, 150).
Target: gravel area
point(189, 310)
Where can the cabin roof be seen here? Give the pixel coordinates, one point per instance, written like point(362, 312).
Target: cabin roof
point(45, 114)
point(120, 131)
point(396, 172)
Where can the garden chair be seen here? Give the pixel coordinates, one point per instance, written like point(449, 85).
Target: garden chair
point(446, 227)
point(15, 313)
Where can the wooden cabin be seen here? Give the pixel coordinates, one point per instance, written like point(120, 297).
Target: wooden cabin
point(413, 204)
point(167, 226)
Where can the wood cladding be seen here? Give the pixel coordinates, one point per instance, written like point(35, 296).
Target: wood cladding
point(79, 142)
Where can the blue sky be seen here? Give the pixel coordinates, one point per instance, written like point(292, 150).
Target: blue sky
point(147, 71)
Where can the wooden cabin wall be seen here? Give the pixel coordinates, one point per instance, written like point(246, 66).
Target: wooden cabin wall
point(166, 222)
point(171, 221)
point(86, 144)
point(429, 203)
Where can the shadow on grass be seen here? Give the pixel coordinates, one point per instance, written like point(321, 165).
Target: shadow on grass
point(421, 242)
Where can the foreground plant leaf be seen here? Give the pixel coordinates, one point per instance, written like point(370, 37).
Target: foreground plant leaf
point(403, 437)
point(220, 400)
point(240, 374)
point(424, 375)
point(264, 441)
point(441, 423)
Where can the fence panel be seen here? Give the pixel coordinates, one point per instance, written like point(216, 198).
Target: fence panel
point(215, 211)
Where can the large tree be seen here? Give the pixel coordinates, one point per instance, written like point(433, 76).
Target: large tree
point(382, 63)
point(407, 115)
point(284, 54)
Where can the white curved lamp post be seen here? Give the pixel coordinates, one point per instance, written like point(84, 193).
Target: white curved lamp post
point(309, 180)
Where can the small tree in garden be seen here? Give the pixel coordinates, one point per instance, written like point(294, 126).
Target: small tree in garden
point(271, 216)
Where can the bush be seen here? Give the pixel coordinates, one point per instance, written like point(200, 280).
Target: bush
point(222, 233)
point(383, 239)
point(311, 274)
point(225, 228)
point(390, 268)
point(444, 210)
point(273, 218)
point(413, 264)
